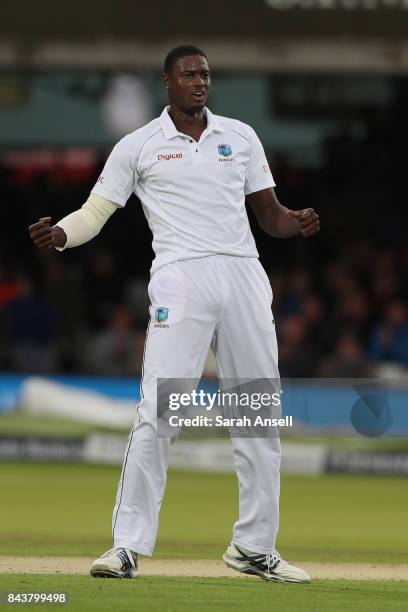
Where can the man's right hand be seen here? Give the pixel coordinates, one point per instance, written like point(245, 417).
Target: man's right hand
point(46, 237)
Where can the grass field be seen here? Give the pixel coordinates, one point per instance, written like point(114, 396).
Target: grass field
point(214, 595)
point(65, 510)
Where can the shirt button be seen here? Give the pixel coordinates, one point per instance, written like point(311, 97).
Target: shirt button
point(190, 141)
point(196, 150)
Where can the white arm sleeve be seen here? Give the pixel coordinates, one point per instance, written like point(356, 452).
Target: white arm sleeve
point(86, 223)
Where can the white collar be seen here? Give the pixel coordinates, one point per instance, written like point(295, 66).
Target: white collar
point(170, 130)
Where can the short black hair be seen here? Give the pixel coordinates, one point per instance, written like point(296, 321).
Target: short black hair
point(178, 52)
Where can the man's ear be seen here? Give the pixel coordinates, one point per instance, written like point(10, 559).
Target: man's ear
point(166, 80)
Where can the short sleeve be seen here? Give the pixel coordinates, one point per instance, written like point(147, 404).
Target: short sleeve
point(117, 180)
point(258, 174)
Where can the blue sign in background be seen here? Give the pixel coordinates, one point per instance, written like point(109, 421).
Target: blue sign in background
point(317, 405)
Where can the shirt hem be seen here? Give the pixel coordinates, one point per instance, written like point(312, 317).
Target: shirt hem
point(260, 187)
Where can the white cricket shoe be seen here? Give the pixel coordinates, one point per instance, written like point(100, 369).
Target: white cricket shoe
point(115, 563)
point(268, 567)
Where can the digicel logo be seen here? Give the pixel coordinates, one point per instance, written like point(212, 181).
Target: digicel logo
point(168, 156)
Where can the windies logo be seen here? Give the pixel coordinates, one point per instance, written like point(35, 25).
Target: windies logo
point(225, 150)
point(161, 314)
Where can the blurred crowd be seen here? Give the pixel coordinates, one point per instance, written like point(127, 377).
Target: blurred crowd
point(345, 318)
point(339, 319)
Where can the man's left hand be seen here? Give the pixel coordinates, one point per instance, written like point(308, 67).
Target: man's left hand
point(307, 220)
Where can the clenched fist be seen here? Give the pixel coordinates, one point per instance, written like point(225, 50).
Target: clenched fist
point(307, 220)
point(46, 237)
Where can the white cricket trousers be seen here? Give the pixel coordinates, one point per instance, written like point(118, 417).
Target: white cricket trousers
point(224, 302)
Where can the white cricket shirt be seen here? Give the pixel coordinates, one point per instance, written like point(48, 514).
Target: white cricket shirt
point(193, 194)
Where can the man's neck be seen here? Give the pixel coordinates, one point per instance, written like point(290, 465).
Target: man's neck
point(192, 125)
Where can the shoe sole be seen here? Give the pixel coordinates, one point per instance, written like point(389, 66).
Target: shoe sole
point(101, 571)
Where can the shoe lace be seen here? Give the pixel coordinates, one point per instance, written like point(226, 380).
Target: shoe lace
point(272, 560)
